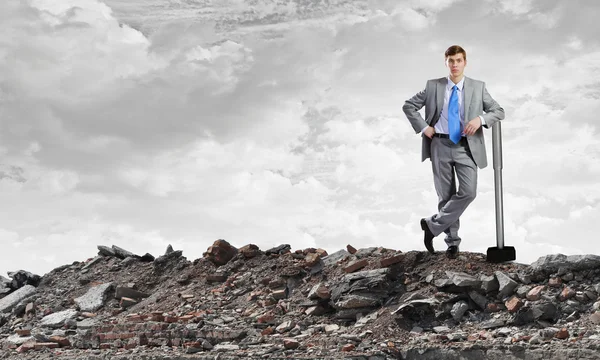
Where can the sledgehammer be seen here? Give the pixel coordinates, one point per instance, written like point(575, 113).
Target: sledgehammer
point(499, 253)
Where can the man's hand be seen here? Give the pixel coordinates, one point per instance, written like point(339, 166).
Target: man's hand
point(472, 126)
point(429, 132)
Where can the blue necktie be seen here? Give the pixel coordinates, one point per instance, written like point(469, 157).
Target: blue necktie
point(453, 116)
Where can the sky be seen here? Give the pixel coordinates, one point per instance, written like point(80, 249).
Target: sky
point(153, 122)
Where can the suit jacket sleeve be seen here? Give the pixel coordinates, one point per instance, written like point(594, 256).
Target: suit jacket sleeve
point(493, 111)
point(411, 110)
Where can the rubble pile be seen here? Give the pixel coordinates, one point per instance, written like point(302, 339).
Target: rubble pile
point(246, 303)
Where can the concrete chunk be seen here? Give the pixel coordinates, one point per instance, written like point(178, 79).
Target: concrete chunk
point(57, 320)
point(8, 302)
point(506, 285)
point(94, 298)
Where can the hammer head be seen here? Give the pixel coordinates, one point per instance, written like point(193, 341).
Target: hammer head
point(496, 255)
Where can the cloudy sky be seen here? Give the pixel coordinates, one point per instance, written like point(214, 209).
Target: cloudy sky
point(144, 123)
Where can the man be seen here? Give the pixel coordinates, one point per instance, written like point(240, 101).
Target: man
point(456, 109)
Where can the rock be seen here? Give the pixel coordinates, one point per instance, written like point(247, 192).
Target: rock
point(492, 323)
point(506, 285)
point(92, 262)
point(312, 259)
point(290, 344)
point(441, 329)
point(94, 298)
point(391, 260)
point(522, 291)
point(535, 293)
point(164, 262)
point(105, 251)
point(285, 326)
point(127, 302)
point(225, 347)
point(123, 291)
point(169, 249)
point(478, 299)
point(351, 249)
point(279, 250)
point(459, 309)
point(18, 339)
point(331, 328)
point(356, 265)
point(365, 252)
point(147, 257)
point(348, 347)
point(463, 280)
point(544, 311)
point(128, 261)
point(566, 294)
point(4, 282)
point(249, 251)
point(427, 303)
point(58, 319)
point(332, 259)
point(11, 300)
point(513, 304)
point(316, 310)
point(555, 282)
point(353, 301)
point(319, 291)
point(220, 252)
point(21, 278)
point(551, 263)
point(562, 334)
point(595, 318)
point(122, 253)
point(489, 283)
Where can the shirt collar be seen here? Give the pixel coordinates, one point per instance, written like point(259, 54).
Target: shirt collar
point(459, 85)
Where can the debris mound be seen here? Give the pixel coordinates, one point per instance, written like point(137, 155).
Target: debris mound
point(367, 303)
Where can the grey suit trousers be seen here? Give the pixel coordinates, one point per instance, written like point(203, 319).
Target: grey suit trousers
point(451, 162)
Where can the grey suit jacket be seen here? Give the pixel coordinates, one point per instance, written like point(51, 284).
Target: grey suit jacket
point(476, 101)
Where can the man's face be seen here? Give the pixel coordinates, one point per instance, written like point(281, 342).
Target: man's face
point(456, 64)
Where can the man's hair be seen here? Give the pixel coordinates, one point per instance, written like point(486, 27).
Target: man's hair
point(455, 49)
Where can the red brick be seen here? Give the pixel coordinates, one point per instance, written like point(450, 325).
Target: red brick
point(555, 282)
point(26, 347)
point(291, 343)
point(513, 304)
point(45, 345)
point(105, 346)
point(566, 294)
point(356, 265)
point(186, 318)
point(348, 347)
point(351, 249)
point(535, 293)
point(267, 331)
point(23, 332)
point(60, 340)
point(171, 319)
point(391, 260)
point(562, 334)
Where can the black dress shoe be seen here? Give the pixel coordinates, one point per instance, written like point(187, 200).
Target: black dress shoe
point(452, 252)
point(428, 236)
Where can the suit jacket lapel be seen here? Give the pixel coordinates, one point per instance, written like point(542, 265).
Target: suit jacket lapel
point(468, 95)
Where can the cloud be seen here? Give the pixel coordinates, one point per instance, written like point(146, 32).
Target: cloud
point(279, 123)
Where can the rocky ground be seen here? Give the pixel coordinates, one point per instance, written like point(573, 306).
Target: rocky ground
point(248, 303)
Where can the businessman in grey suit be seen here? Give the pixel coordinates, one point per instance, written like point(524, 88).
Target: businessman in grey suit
point(457, 108)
